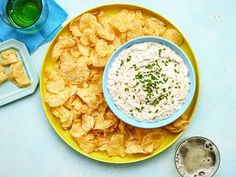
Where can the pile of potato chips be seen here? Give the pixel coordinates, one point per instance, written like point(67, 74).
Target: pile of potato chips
point(16, 74)
point(74, 86)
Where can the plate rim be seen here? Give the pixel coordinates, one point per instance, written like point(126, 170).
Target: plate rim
point(125, 5)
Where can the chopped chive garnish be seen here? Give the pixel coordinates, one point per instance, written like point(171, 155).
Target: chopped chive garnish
point(122, 62)
point(126, 89)
point(128, 58)
point(160, 50)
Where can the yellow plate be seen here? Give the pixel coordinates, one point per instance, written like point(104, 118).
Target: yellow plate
point(101, 156)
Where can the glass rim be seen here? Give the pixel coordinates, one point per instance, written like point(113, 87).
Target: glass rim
point(201, 137)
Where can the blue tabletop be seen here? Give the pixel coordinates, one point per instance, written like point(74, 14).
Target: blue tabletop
point(30, 147)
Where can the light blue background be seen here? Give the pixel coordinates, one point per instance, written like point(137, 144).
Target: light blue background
point(29, 147)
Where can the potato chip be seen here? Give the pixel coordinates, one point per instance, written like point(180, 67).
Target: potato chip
point(134, 29)
point(68, 103)
point(68, 123)
point(174, 36)
point(87, 122)
point(116, 146)
point(97, 88)
point(54, 82)
point(99, 121)
point(97, 61)
point(85, 109)
point(58, 99)
point(18, 75)
point(84, 60)
point(123, 37)
point(132, 147)
point(61, 113)
point(121, 127)
point(102, 142)
point(95, 76)
point(74, 74)
point(179, 125)
point(76, 129)
point(74, 28)
point(111, 121)
point(66, 62)
point(102, 107)
point(77, 103)
point(88, 96)
point(3, 75)
point(184, 116)
point(140, 18)
point(87, 20)
point(122, 19)
point(105, 32)
point(88, 37)
point(9, 56)
point(103, 19)
point(140, 133)
point(73, 90)
point(154, 27)
point(84, 50)
point(61, 45)
point(88, 143)
point(116, 43)
point(152, 141)
point(102, 48)
point(75, 52)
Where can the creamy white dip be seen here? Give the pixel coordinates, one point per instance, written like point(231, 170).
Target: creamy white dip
point(148, 81)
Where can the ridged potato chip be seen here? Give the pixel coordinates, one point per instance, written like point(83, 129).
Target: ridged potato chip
point(54, 82)
point(61, 113)
point(174, 36)
point(116, 146)
point(179, 125)
point(154, 27)
point(102, 142)
point(134, 29)
point(73, 72)
point(87, 20)
point(88, 37)
point(102, 18)
point(74, 27)
point(3, 75)
point(18, 75)
point(58, 99)
point(105, 32)
point(122, 19)
point(87, 122)
point(88, 143)
point(68, 123)
point(97, 61)
point(84, 50)
point(76, 129)
point(88, 96)
point(9, 56)
point(132, 147)
point(61, 45)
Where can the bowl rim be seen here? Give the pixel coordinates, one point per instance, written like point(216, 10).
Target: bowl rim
point(151, 124)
